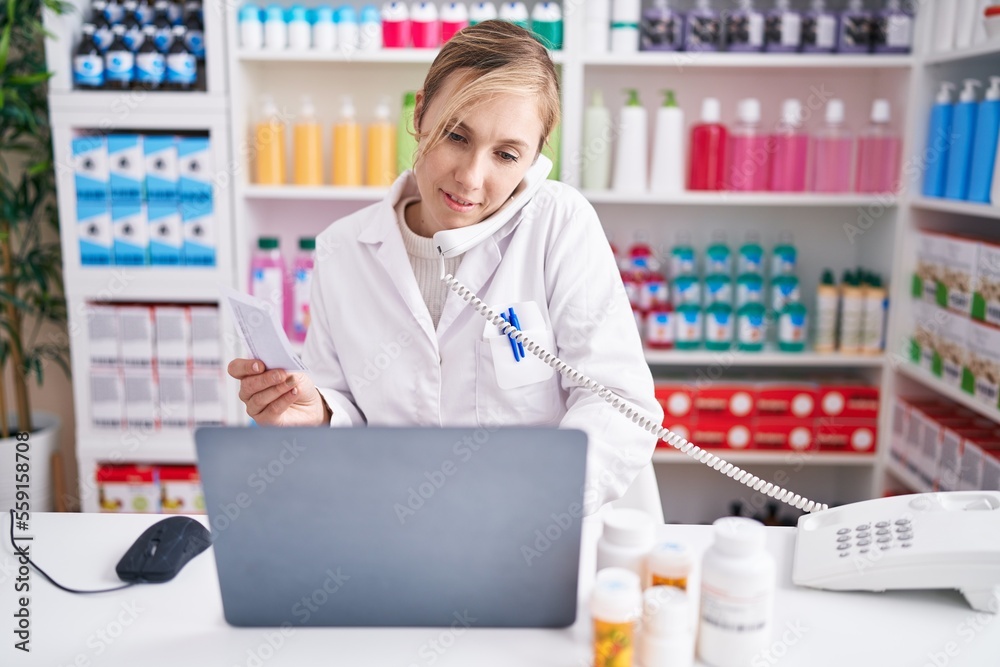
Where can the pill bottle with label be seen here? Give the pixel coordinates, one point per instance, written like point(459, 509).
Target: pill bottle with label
point(626, 541)
point(615, 606)
point(669, 564)
point(667, 639)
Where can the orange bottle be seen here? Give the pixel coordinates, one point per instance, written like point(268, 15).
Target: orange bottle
point(269, 140)
point(347, 147)
point(308, 147)
point(381, 148)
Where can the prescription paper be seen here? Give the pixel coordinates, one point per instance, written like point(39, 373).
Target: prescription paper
point(260, 331)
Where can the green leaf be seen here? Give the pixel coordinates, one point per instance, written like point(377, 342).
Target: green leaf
point(5, 38)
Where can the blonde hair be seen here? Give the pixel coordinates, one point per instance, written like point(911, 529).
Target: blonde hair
point(492, 58)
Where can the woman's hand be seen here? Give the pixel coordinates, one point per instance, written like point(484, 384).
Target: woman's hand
point(278, 398)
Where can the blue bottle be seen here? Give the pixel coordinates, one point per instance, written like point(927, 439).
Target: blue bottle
point(963, 133)
point(150, 64)
point(984, 152)
point(88, 63)
point(939, 142)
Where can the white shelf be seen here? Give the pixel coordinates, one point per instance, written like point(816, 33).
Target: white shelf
point(137, 445)
point(124, 103)
point(755, 61)
point(985, 50)
point(960, 207)
point(384, 56)
point(769, 199)
point(146, 283)
point(909, 480)
point(956, 395)
point(314, 193)
point(662, 455)
point(761, 359)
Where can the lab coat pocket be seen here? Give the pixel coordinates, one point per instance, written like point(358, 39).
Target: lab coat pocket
point(518, 392)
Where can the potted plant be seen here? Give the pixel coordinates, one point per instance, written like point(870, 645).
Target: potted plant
point(31, 290)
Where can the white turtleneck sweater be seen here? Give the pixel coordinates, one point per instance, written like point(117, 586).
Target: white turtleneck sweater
point(426, 263)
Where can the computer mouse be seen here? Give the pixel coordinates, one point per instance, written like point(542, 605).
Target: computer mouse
point(162, 550)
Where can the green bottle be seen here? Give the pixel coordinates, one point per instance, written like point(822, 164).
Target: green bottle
point(749, 289)
point(751, 327)
point(406, 141)
point(792, 329)
point(751, 255)
point(718, 256)
point(689, 327)
point(718, 288)
point(719, 327)
point(785, 257)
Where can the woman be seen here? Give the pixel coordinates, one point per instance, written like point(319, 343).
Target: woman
point(390, 344)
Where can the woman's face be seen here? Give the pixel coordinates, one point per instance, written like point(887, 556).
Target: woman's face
point(476, 167)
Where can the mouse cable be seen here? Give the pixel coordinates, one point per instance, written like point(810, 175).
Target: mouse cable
point(23, 553)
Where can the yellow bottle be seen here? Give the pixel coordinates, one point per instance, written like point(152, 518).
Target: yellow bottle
point(615, 602)
point(347, 147)
point(269, 142)
point(381, 148)
point(308, 147)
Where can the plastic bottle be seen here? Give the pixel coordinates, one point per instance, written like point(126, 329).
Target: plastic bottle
point(150, 64)
point(267, 279)
point(718, 288)
point(944, 23)
point(597, 134)
point(751, 327)
point(370, 29)
point(302, 272)
point(783, 31)
point(270, 145)
point(784, 258)
point(719, 327)
point(348, 30)
point(661, 29)
point(965, 22)
point(88, 64)
point(819, 29)
point(749, 289)
point(626, 541)
point(661, 327)
point(275, 29)
point(482, 11)
point(749, 155)
point(784, 289)
point(892, 29)
point(182, 66)
point(454, 17)
point(625, 17)
point(395, 25)
point(194, 38)
point(144, 12)
point(114, 11)
point(176, 12)
point(630, 156)
point(879, 153)
point(851, 314)
point(791, 151)
point(685, 289)
point(516, 13)
point(963, 136)
point(615, 604)
point(744, 28)
point(827, 300)
point(119, 62)
point(669, 564)
point(324, 37)
point(683, 259)
point(381, 148)
point(750, 257)
point(299, 29)
point(133, 27)
point(165, 35)
point(406, 142)
point(690, 326)
point(984, 152)
point(667, 174)
point(834, 152)
point(102, 29)
point(308, 147)
point(251, 27)
point(597, 27)
point(425, 30)
point(939, 142)
point(347, 146)
point(654, 292)
point(547, 24)
point(718, 256)
point(873, 320)
point(792, 327)
point(855, 34)
point(703, 29)
point(667, 639)
point(709, 146)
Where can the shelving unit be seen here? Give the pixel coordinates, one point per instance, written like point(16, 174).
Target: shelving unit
point(957, 395)
point(698, 358)
point(974, 210)
point(811, 458)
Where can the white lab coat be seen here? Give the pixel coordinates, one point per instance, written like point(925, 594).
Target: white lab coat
point(374, 353)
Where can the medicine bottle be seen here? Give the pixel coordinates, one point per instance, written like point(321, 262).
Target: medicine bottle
point(667, 639)
point(615, 605)
point(738, 579)
point(626, 541)
point(669, 564)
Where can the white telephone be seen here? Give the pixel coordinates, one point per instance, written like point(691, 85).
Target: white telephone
point(928, 540)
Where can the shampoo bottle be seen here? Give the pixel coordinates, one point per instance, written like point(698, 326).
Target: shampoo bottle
point(348, 29)
point(395, 25)
point(984, 152)
point(324, 29)
point(516, 13)
point(547, 24)
point(667, 176)
point(482, 11)
point(597, 27)
point(783, 31)
point(749, 155)
point(662, 29)
point(878, 153)
point(791, 151)
point(270, 145)
point(939, 142)
point(454, 17)
point(347, 147)
point(834, 152)
point(425, 30)
point(275, 29)
point(819, 29)
point(308, 147)
point(302, 271)
point(625, 16)
point(251, 28)
point(827, 300)
point(963, 135)
point(893, 29)
point(370, 37)
point(703, 28)
point(630, 157)
point(745, 28)
point(381, 168)
point(855, 34)
point(709, 147)
point(597, 135)
point(299, 29)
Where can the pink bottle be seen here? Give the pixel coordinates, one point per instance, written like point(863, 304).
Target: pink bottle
point(749, 158)
point(791, 151)
point(302, 272)
point(834, 150)
point(709, 149)
point(268, 281)
point(454, 17)
point(878, 153)
point(425, 29)
point(395, 25)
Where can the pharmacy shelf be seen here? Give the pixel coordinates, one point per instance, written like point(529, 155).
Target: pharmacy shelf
point(984, 51)
point(137, 445)
point(146, 283)
point(761, 359)
point(122, 104)
point(664, 455)
point(762, 199)
point(960, 207)
point(754, 61)
point(956, 395)
point(343, 56)
point(909, 480)
point(314, 193)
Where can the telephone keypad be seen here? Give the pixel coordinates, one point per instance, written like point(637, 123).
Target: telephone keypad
point(885, 536)
point(882, 524)
point(842, 546)
point(844, 538)
point(863, 526)
point(843, 531)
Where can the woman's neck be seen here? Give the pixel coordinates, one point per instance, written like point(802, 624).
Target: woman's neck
point(413, 214)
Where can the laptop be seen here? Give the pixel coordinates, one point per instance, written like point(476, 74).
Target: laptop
point(388, 527)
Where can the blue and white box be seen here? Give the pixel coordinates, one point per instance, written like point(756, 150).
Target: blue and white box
point(195, 164)
point(162, 169)
point(131, 230)
point(199, 233)
point(90, 167)
point(93, 227)
point(166, 234)
point(127, 165)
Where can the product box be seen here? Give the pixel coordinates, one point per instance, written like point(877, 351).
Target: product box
point(195, 168)
point(786, 433)
point(924, 334)
point(990, 480)
point(174, 390)
point(848, 400)
point(166, 234)
point(107, 398)
point(949, 464)
point(986, 293)
point(127, 488)
point(959, 257)
point(140, 398)
point(162, 168)
point(798, 400)
point(90, 168)
point(198, 224)
point(973, 463)
point(926, 456)
point(206, 397)
point(846, 435)
point(102, 335)
point(136, 333)
point(726, 401)
point(721, 433)
point(94, 230)
point(951, 354)
point(180, 490)
point(981, 377)
point(929, 268)
point(127, 166)
point(131, 232)
point(676, 400)
point(172, 335)
point(899, 446)
point(206, 342)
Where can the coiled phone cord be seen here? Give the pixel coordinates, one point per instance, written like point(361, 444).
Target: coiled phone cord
point(674, 440)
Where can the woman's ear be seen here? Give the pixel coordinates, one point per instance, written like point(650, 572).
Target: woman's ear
point(418, 110)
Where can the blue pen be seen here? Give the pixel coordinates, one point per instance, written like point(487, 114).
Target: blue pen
point(516, 323)
point(513, 344)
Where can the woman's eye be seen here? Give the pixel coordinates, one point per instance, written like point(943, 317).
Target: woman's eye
point(455, 137)
point(507, 157)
